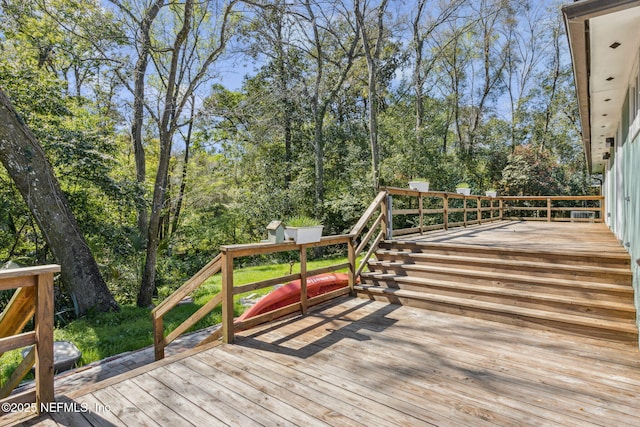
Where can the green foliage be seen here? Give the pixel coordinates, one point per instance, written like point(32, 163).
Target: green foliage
point(302, 221)
point(252, 157)
point(533, 173)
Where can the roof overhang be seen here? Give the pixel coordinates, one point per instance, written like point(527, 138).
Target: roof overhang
point(601, 72)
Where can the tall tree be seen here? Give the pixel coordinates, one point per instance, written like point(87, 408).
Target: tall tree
point(428, 18)
point(330, 43)
point(32, 173)
point(373, 38)
point(142, 43)
point(182, 66)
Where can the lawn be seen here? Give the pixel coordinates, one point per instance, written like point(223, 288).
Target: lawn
point(105, 334)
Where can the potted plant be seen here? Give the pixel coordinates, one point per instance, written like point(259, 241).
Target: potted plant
point(419, 184)
point(303, 229)
point(491, 192)
point(463, 188)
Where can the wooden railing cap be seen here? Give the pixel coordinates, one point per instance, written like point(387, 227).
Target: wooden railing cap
point(29, 271)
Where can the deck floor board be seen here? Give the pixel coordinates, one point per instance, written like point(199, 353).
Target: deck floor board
point(356, 362)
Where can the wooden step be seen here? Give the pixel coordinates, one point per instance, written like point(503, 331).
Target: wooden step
point(619, 275)
point(559, 289)
point(616, 258)
point(444, 272)
point(617, 330)
point(606, 308)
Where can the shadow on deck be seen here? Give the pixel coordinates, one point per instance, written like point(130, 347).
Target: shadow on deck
point(359, 362)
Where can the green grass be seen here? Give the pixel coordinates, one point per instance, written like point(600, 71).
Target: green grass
point(101, 335)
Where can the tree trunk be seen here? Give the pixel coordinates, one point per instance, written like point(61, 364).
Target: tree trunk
point(373, 127)
point(372, 55)
point(168, 126)
point(33, 175)
point(318, 147)
point(183, 180)
point(139, 73)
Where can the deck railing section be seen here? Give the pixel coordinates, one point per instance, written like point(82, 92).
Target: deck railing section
point(361, 240)
point(366, 235)
point(553, 208)
point(229, 289)
point(224, 263)
point(33, 297)
point(415, 212)
point(160, 341)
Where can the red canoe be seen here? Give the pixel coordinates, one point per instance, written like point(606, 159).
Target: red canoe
point(290, 293)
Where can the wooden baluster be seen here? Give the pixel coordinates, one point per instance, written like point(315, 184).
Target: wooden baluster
point(158, 337)
point(351, 250)
point(227, 297)
point(445, 211)
point(464, 205)
point(387, 226)
point(420, 208)
point(601, 199)
point(548, 209)
point(303, 279)
point(44, 340)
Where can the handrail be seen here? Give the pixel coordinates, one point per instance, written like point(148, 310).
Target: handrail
point(549, 209)
point(380, 223)
point(229, 290)
point(366, 216)
point(223, 262)
point(33, 297)
point(486, 209)
point(159, 339)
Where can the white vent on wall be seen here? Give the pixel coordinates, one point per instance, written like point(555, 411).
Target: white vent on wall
point(583, 215)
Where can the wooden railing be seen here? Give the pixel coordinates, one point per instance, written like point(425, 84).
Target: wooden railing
point(436, 210)
point(34, 296)
point(359, 243)
point(553, 208)
point(229, 290)
point(359, 239)
point(224, 262)
point(417, 213)
point(160, 341)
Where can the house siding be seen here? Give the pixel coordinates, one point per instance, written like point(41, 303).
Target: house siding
point(622, 201)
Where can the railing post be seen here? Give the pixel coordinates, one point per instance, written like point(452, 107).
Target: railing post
point(420, 208)
point(387, 220)
point(479, 206)
point(501, 209)
point(158, 337)
point(491, 210)
point(602, 209)
point(464, 206)
point(548, 209)
point(351, 254)
point(445, 211)
point(303, 279)
point(227, 297)
point(44, 340)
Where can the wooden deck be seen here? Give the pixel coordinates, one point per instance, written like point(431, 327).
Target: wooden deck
point(533, 235)
point(360, 362)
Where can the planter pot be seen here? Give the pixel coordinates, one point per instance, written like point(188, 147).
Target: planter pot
point(491, 193)
point(422, 186)
point(465, 191)
point(303, 235)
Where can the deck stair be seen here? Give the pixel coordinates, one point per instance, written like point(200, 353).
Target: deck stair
point(583, 292)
